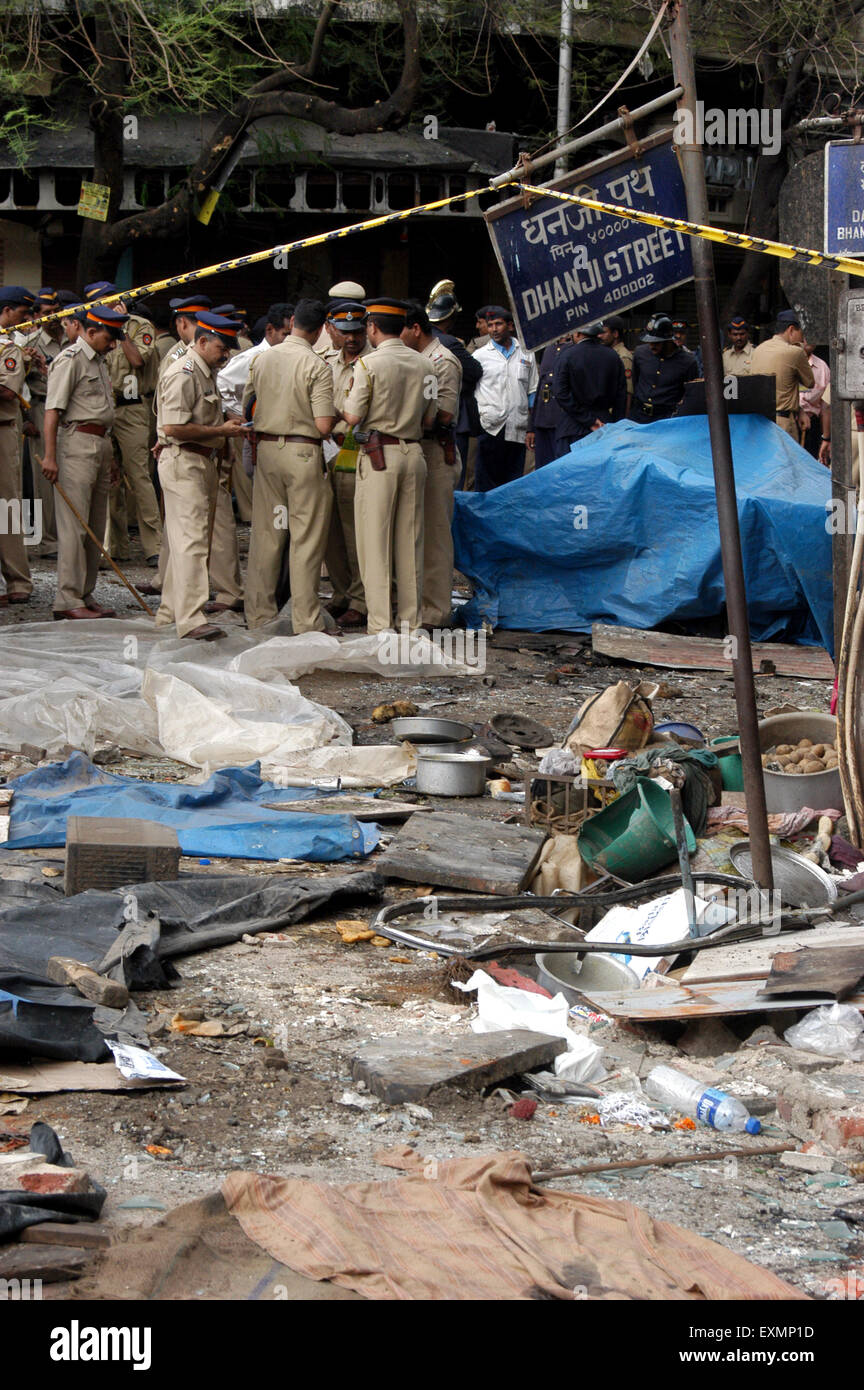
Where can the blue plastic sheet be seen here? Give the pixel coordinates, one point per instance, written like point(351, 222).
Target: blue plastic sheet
point(224, 816)
point(646, 549)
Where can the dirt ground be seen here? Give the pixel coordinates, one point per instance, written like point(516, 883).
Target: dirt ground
point(280, 1098)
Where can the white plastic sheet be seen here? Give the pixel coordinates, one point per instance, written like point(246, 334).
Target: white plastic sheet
point(381, 655)
point(81, 685)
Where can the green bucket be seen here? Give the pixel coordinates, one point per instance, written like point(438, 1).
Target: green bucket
point(635, 836)
point(731, 771)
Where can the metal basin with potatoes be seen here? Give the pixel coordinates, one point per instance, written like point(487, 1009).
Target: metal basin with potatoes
point(789, 791)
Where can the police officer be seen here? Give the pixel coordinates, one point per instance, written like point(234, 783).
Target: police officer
point(132, 369)
point(192, 432)
point(224, 553)
point(612, 331)
point(293, 391)
point(388, 399)
point(346, 327)
point(16, 306)
point(545, 418)
point(783, 357)
point(660, 370)
point(80, 402)
point(589, 386)
point(439, 451)
point(442, 308)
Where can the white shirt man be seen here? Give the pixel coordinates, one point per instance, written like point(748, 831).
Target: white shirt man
point(504, 395)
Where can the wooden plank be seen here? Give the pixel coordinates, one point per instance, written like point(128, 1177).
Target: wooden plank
point(718, 1000)
point(50, 1263)
point(835, 970)
point(754, 958)
point(65, 971)
point(366, 808)
point(706, 653)
point(78, 1235)
point(453, 851)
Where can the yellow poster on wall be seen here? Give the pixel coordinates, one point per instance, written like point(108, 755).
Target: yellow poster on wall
point(93, 201)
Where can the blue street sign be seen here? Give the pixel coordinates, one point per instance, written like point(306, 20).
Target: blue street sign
point(567, 266)
point(844, 199)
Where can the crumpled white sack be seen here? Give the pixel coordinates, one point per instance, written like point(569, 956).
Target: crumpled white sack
point(500, 1007)
point(239, 720)
point(379, 765)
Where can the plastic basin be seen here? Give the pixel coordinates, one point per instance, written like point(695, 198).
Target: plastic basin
point(635, 836)
point(731, 771)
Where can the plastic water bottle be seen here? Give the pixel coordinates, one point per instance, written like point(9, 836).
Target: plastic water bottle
point(709, 1105)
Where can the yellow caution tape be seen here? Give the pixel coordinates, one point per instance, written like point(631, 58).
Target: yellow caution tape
point(738, 239)
point(238, 262)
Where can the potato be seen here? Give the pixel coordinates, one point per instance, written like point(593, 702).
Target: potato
point(783, 748)
point(805, 743)
point(812, 765)
point(818, 750)
point(796, 756)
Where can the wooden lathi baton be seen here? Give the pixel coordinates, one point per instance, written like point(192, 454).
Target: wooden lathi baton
point(116, 568)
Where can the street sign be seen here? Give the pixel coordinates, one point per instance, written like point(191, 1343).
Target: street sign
point(844, 199)
point(567, 266)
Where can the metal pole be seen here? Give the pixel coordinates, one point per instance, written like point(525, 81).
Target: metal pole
point(611, 128)
point(565, 77)
point(693, 169)
point(842, 487)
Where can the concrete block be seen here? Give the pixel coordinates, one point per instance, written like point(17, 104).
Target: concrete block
point(826, 1108)
point(400, 1069)
point(811, 1162)
point(49, 1177)
point(108, 852)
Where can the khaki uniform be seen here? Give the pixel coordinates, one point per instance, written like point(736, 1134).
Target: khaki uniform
point(627, 363)
point(13, 556)
point(441, 480)
point(340, 556)
point(292, 385)
point(240, 480)
point(737, 363)
point(389, 394)
point(788, 364)
point(37, 385)
point(80, 388)
point(224, 567)
point(133, 396)
point(187, 395)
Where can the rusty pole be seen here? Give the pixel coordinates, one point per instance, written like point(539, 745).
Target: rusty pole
point(693, 170)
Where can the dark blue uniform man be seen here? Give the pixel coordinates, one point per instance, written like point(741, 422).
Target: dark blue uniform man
point(660, 370)
point(546, 419)
point(442, 309)
point(589, 386)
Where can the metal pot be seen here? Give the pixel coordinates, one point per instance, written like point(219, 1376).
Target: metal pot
point(424, 730)
point(424, 750)
point(789, 791)
point(452, 774)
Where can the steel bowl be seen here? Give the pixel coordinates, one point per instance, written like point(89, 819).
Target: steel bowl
point(799, 881)
point(425, 750)
point(421, 730)
point(452, 774)
point(789, 791)
point(573, 976)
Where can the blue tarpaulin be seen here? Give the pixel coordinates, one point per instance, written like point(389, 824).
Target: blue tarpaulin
point(225, 816)
point(623, 530)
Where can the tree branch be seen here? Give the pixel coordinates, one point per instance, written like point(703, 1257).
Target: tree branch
point(266, 99)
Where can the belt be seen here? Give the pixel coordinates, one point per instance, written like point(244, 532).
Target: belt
point(6, 422)
point(339, 439)
point(289, 438)
point(125, 400)
point(202, 449)
point(785, 414)
point(394, 439)
point(90, 428)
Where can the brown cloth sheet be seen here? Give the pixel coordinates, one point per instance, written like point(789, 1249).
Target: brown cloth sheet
point(474, 1228)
